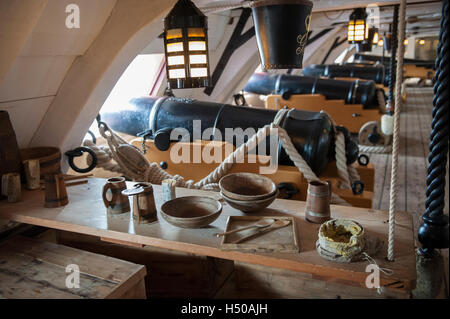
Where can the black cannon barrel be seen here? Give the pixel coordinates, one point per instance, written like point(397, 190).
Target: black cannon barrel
point(374, 73)
point(375, 58)
point(352, 92)
point(311, 132)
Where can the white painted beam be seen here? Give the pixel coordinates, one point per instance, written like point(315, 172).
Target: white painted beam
point(132, 24)
point(17, 20)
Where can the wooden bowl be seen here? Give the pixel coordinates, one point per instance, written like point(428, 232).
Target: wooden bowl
point(247, 186)
point(191, 211)
point(248, 206)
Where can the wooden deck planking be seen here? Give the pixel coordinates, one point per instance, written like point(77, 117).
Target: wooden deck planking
point(415, 131)
point(415, 126)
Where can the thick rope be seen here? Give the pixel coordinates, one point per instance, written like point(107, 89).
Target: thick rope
point(341, 161)
point(347, 173)
point(430, 237)
point(380, 98)
point(104, 157)
point(379, 149)
point(393, 61)
point(395, 142)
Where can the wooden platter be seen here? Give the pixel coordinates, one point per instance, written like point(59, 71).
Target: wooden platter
point(283, 240)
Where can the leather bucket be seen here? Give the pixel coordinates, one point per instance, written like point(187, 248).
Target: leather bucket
point(281, 28)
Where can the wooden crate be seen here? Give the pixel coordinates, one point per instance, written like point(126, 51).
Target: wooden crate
point(172, 273)
point(35, 269)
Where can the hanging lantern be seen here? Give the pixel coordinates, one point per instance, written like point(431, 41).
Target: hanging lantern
point(358, 28)
point(405, 42)
point(186, 47)
point(281, 28)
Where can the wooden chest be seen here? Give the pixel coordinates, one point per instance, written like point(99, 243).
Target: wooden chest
point(35, 269)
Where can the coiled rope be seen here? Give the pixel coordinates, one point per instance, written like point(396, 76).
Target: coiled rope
point(137, 167)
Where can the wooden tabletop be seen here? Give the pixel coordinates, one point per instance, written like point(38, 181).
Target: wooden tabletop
point(86, 214)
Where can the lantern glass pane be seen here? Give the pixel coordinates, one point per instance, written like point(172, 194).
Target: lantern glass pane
point(175, 60)
point(197, 45)
point(177, 74)
point(199, 72)
point(197, 59)
point(173, 34)
point(360, 30)
point(351, 30)
point(196, 32)
point(175, 47)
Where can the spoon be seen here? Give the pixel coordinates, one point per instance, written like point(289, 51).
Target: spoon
point(277, 224)
point(260, 224)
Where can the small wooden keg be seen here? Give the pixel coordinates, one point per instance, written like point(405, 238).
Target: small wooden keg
point(118, 204)
point(318, 202)
point(11, 187)
point(144, 209)
point(55, 190)
point(32, 173)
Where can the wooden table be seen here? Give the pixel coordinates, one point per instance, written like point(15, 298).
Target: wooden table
point(86, 214)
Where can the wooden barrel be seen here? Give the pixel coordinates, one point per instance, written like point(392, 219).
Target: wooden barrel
point(9, 150)
point(55, 190)
point(49, 158)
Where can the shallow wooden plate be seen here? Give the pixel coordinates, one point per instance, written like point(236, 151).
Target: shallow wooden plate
point(277, 240)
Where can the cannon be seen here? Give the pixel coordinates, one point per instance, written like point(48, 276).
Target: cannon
point(375, 58)
point(375, 73)
point(312, 133)
point(352, 92)
point(168, 124)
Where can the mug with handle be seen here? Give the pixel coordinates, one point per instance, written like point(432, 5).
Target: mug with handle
point(118, 203)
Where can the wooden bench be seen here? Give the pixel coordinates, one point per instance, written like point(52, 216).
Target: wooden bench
point(36, 269)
